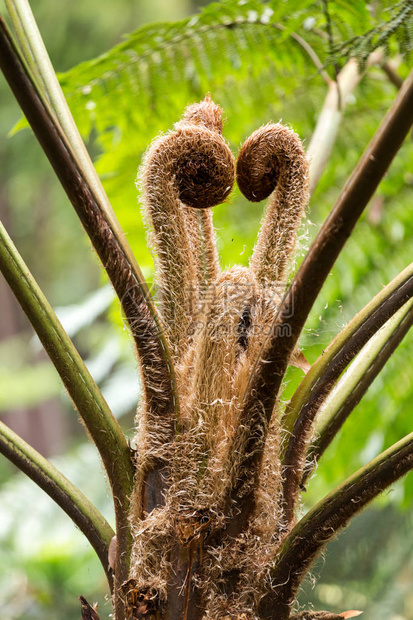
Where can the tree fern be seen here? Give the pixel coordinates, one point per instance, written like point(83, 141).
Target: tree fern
point(243, 53)
point(239, 52)
point(163, 494)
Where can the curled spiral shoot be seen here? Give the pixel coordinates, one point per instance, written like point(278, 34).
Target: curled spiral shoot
point(199, 221)
point(272, 161)
point(189, 168)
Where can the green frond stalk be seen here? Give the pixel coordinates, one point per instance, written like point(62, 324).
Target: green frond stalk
point(86, 396)
point(265, 380)
point(37, 58)
point(76, 505)
point(328, 517)
point(324, 361)
point(124, 274)
point(357, 334)
point(356, 381)
point(20, 27)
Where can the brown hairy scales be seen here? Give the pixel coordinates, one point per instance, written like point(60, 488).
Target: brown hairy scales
point(186, 548)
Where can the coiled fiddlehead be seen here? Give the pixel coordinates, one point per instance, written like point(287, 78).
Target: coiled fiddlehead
point(192, 167)
point(272, 161)
point(199, 222)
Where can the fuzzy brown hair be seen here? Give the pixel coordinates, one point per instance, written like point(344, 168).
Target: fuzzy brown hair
point(185, 544)
point(272, 161)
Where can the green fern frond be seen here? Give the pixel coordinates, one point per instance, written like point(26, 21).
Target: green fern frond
point(159, 63)
point(398, 28)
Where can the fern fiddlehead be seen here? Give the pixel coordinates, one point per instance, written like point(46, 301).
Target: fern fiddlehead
point(191, 167)
point(272, 161)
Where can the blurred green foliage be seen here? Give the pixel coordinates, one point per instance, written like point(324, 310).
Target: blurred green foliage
point(121, 101)
point(45, 562)
point(370, 568)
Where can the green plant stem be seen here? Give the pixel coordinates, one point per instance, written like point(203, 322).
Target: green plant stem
point(129, 284)
point(158, 378)
point(265, 381)
point(86, 396)
point(82, 512)
point(356, 381)
point(322, 523)
point(325, 360)
point(19, 29)
point(298, 420)
point(34, 49)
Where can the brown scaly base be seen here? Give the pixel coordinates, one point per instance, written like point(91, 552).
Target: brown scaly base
point(141, 605)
